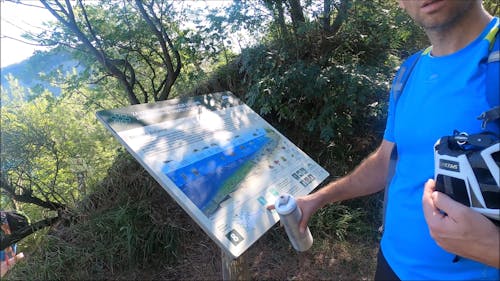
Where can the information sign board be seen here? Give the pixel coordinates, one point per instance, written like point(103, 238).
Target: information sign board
point(220, 161)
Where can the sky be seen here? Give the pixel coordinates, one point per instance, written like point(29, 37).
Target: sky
point(16, 19)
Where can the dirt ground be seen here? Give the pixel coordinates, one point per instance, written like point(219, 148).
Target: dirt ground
point(267, 260)
point(270, 258)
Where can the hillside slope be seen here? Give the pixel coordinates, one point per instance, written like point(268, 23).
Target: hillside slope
point(132, 229)
point(29, 72)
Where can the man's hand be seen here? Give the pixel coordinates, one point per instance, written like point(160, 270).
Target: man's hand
point(308, 205)
point(459, 229)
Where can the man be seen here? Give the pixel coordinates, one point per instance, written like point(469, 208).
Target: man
point(9, 252)
point(444, 92)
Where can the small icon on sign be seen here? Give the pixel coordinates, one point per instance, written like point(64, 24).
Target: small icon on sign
point(262, 200)
point(234, 237)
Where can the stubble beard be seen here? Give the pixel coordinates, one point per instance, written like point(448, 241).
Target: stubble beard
point(447, 24)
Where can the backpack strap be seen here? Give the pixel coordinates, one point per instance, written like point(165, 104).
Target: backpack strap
point(404, 73)
point(397, 88)
point(492, 78)
point(490, 115)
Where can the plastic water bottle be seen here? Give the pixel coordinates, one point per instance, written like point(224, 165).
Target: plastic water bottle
point(290, 216)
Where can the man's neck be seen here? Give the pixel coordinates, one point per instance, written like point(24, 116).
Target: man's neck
point(452, 38)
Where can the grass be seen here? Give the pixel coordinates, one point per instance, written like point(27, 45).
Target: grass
point(110, 243)
point(118, 229)
point(131, 229)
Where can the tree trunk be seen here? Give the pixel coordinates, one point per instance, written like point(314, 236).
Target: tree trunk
point(327, 9)
point(342, 12)
point(296, 13)
point(280, 17)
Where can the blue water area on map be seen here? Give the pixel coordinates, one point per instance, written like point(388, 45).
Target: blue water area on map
point(201, 180)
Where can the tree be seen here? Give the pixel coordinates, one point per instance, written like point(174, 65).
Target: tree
point(332, 14)
point(132, 42)
point(330, 26)
point(42, 140)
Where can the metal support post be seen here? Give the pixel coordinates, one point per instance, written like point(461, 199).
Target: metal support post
point(234, 269)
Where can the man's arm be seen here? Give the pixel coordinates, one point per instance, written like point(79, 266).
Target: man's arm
point(459, 229)
point(9, 251)
point(369, 177)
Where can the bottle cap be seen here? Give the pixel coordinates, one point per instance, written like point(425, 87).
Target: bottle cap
point(285, 204)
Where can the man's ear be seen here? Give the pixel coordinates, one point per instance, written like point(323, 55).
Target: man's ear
point(401, 4)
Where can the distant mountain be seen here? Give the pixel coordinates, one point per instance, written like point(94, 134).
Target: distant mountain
point(28, 71)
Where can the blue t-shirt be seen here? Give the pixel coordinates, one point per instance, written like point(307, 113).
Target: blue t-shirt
point(442, 94)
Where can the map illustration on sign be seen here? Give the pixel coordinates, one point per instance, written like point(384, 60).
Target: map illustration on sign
point(220, 161)
point(211, 180)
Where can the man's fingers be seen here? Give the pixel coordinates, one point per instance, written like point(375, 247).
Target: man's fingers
point(445, 203)
point(438, 206)
point(430, 209)
point(302, 226)
point(305, 216)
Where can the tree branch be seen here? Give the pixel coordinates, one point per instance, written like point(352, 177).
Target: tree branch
point(27, 197)
point(101, 58)
point(26, 42)
point(164, 40)
point(89, 26)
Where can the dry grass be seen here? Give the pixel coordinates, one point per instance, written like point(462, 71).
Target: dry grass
point(129, 194)
point(271, 258)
